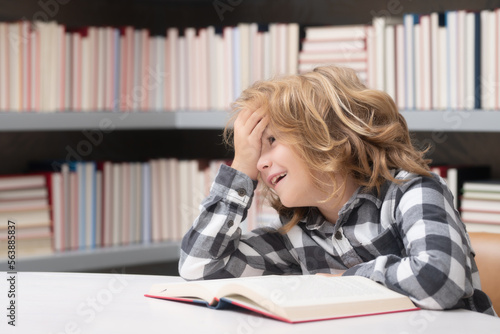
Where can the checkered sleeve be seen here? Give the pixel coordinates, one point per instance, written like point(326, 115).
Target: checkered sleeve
point(434, 268)
point(214, 246)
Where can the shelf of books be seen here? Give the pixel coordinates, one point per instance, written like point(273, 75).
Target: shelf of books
point(440, 68)
point(87, 214)
point(97, 259)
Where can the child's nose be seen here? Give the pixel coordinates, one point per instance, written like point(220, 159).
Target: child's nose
point(263, 163)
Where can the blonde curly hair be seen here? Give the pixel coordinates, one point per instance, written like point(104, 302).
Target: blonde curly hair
point(337, 126)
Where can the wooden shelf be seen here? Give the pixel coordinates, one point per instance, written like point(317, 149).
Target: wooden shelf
point(447, 121)
point(99, 258)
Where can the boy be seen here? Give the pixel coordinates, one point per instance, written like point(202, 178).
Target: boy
point(354, 197)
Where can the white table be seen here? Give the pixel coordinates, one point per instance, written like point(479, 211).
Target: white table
point(70, 303)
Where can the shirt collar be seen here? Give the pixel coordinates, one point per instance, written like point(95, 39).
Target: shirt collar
point(314, 219)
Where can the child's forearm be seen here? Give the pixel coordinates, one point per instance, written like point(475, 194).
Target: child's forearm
point(216, 230)
point(214, 246)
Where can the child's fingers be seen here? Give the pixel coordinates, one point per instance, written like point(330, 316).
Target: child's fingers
point(260, 127)
point(243, 115)
point(255, 119)
point(247, 120)
point(248, 130)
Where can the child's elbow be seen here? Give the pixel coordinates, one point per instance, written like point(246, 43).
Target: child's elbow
point(435, 303)
point(441, 284)
point(189, 275)
point(447, 297)
point(189, 268)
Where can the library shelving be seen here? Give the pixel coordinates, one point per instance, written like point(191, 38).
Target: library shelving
point(418, 120)
point(453, 121)
point(144, 120)
point(100, 258)
point(24, 137)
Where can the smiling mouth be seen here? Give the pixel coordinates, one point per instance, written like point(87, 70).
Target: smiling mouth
point(277, 178)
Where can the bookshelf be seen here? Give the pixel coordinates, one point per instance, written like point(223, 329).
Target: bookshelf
point(98, 259)
point(452, 121)
point(470, 135)
point(144, 120)
point(418, 121)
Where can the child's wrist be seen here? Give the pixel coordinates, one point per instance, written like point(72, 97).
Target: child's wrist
point(245, 169)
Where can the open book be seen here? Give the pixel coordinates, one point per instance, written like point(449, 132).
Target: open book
point(290, 298)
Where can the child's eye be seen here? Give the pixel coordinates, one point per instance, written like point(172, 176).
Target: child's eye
point(271, 139)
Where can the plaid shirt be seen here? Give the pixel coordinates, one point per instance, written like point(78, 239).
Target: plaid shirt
point(410, 239)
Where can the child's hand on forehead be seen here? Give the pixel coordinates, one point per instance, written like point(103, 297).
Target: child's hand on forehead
point(248, 129)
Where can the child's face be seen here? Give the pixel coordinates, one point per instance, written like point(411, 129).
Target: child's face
point(283, 171)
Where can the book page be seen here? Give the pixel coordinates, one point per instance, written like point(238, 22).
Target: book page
point(312, 289)
point(313, 297)
point(205, 290)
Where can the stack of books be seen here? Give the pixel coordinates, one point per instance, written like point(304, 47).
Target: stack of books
point(341, 45)
point(481, 206)
point(456, 175)
point(25, 217)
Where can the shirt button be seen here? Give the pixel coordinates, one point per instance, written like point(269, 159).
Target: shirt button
point(338, 235)
point(230, 223)
point(242, 192)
